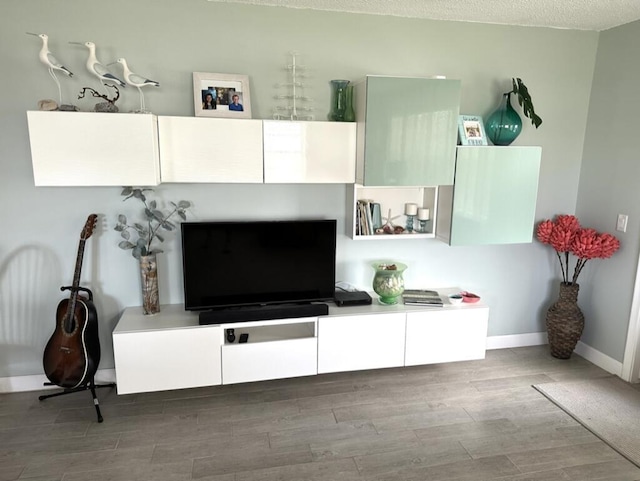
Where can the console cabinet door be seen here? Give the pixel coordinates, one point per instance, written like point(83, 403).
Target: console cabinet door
point(358, 342)
point(446, 335)
point(197, 149)
point(158, 360)
point(309, 152)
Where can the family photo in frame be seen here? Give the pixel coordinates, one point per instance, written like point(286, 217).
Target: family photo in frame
point(471, 130)
point(221, 95)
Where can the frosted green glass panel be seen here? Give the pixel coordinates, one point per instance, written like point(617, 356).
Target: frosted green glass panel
point(411, 131)
point(495, 193)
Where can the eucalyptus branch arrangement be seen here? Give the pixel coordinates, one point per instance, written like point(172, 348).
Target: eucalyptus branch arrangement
point(524, 99)
point(151, 228)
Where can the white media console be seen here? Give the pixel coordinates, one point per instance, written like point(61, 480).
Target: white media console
point(171, 350)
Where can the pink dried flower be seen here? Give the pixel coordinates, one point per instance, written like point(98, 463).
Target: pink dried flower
point(608, 245)
point(566, 236)
point(544, 231)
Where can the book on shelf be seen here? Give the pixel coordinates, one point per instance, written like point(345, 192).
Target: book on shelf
point(422, 297)
point(364, 217)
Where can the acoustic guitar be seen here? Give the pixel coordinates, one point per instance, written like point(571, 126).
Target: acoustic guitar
point(72, 354)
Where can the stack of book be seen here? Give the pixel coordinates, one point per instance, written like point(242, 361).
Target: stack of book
point(422, 297)
point(364, 218)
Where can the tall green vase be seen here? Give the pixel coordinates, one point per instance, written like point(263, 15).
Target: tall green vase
point(504, 124)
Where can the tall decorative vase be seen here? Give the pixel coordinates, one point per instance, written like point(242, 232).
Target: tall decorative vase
point(388, 282)
point(338, 100)
point(149, 278)
point(565, 322)
point(504, 124)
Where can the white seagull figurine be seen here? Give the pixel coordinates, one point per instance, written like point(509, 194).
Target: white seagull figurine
point(136, 80)
point(96, 68)
point(47, 58)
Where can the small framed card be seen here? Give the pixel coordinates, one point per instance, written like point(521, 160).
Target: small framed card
point(471, 130)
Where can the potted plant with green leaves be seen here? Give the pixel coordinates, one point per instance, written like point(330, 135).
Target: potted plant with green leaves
point(142, 239)
point(504, 124)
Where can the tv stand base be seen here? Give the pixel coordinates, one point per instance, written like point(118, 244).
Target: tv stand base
point(262, 313)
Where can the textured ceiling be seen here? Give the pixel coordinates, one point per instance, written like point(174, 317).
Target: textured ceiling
point(572, 14)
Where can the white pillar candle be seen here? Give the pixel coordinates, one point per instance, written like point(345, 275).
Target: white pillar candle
point(411, 209)
point(423, 214)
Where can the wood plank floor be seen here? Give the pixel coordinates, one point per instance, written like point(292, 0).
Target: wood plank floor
point(475, 421)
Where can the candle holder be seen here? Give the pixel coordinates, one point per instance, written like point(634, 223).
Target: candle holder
point(410, 222)
point(423, 218)
point(423, 225)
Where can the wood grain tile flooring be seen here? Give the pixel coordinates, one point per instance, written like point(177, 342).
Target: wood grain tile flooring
point(473, 421)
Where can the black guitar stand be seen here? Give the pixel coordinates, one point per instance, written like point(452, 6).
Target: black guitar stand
point(91, 384)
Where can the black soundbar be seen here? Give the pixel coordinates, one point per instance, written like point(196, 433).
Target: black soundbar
point(262, 313)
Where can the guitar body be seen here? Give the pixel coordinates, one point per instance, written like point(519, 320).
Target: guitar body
point(72, 354)
point(71, 358)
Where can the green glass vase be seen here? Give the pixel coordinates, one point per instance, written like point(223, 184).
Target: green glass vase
point(338, 100)
point(388, 282)
point(504, 125)
point(349, 113)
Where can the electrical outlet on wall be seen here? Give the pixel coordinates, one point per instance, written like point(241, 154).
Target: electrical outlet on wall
point(621, 225)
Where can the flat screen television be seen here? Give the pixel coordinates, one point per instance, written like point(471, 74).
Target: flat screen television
point(254, 263)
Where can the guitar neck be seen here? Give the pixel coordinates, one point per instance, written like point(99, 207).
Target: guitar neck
point(74, 288)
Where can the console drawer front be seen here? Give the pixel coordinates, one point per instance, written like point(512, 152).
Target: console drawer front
point(269, 360)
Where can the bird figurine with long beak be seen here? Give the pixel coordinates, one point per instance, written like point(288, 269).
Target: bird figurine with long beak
point(136, 81)
point(52, 63)
point(96, 68)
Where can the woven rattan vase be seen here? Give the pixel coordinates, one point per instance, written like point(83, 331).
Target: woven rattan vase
point(565, 322)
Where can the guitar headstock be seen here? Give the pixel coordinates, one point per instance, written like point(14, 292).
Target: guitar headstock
point(89, 226)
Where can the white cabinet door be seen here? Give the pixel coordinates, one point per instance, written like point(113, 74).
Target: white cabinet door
point(446, 335)
point(167, 359)
point(91, 148)
point(269, 360)
point(309, 152)
point(353, 343)
point(197, 149)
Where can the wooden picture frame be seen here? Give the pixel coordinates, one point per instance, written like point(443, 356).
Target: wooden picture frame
point(221, 95)
point(471, 130)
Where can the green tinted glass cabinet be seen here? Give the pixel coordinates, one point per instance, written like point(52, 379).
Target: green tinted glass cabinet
point(407, 130)
point(493, 199)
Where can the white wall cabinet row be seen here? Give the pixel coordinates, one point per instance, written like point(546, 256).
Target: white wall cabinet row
point(172, 351)
point(94, 149)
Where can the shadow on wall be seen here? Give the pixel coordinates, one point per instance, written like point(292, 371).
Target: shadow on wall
point(27, 315)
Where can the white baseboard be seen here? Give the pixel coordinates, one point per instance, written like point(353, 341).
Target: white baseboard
point(36, 382)
point(538, 338)
point(599, 359)
point(517, 340)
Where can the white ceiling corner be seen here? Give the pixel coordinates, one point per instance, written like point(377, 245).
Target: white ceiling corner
point(595, 15)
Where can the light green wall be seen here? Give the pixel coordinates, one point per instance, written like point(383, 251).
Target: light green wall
point(609, 185)
point(167, 41)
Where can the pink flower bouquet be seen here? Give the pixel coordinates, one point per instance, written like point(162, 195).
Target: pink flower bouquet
point(566, 236)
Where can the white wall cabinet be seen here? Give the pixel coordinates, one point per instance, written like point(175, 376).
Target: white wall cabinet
point(357, 342)
point(196, 149)
point(391, 199)
point(309, 152)
point(93, 149)
point(170, 350)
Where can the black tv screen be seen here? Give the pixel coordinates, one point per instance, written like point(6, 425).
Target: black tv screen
point(228, 264)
